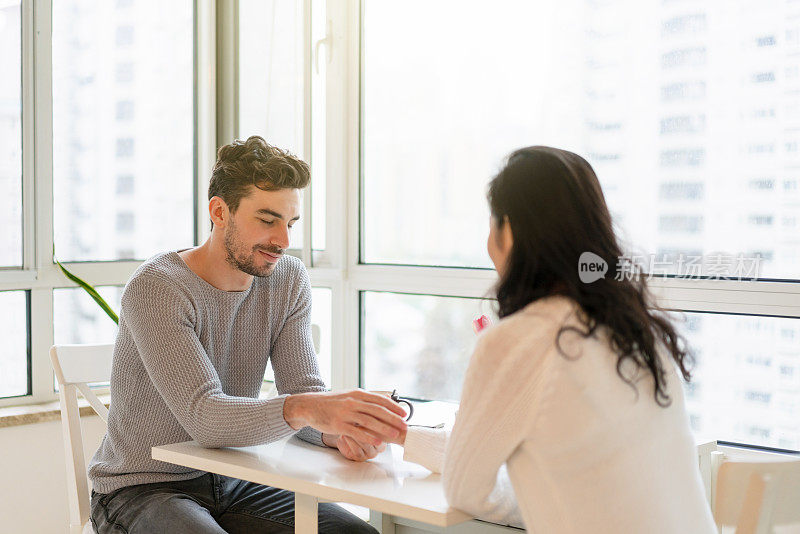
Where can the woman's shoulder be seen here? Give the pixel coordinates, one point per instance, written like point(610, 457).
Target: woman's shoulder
point(540, 316)
point(531, 329)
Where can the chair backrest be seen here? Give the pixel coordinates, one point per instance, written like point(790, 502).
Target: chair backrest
point(77, 366)
point(316, 337)
point(756, 496)
point(705, 462)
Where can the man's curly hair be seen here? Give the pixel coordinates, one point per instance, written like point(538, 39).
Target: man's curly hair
point(254, 162)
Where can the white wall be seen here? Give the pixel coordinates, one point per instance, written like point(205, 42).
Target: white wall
point(33, 494)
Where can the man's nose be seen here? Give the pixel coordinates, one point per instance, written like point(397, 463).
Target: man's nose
point(281, 237)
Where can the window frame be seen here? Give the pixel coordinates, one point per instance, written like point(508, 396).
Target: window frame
point(338, 266)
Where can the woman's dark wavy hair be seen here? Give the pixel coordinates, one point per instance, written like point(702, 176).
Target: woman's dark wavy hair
point(555, 206)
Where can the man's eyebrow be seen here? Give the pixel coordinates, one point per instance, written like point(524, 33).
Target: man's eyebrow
point(265, 211)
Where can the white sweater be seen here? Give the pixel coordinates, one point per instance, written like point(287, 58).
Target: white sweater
point(584, 451)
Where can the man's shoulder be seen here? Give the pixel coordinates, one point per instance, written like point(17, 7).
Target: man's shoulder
point(163, 265)
point(163, 272)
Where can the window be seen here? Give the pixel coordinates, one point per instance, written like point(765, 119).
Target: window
point(109, 183)
point(746, 385)
point(417, 344)
point(78, 318)
point(401, 155)
point(10, 135)
point(16, 346)
point(272, 81)
point(428, 151)
point(685, 179)
point(153, 150)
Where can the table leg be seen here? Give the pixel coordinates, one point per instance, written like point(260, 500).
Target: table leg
point(305, 514)
point(384, 523)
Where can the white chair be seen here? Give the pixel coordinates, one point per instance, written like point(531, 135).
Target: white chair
point(76, 366)
point(756, 496)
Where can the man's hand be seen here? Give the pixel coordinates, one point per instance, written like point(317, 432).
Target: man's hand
point(352, 449)
point(367, 418)
point(401, 438)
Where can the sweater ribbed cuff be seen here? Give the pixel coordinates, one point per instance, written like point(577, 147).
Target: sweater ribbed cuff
point(276, 421)
point(311, 435)
point(426, 447)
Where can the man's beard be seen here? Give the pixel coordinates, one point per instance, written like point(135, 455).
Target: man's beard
point(236, 254)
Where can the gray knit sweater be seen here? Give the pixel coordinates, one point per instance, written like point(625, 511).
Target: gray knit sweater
point(189, 361)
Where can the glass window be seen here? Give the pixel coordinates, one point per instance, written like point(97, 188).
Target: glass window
point(122, 106)
point(746, 383)
point(77, 318)
point(10, 135)
point(271, 78)
point(418, 344)
point(16, 349)
point(679, 171)
point(319, 29)
point(271, 72)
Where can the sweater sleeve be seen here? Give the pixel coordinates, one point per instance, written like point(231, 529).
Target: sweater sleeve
point(161, 319)
point(292, 356)
point(494, 417)
point(425, 446)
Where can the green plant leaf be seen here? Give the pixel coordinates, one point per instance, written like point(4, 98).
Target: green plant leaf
point(89, 289)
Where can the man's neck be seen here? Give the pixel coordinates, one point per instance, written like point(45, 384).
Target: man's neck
point(209, 262)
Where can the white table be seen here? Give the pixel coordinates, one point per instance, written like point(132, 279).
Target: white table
point(384, 484)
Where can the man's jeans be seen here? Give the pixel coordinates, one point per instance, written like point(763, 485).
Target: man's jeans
point(209, 504)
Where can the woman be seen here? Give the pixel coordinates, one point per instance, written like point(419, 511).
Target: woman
point(576, 389)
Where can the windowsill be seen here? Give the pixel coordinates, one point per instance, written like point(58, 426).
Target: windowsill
point(40, 413)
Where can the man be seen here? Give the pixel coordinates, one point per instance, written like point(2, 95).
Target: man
point(196, 330)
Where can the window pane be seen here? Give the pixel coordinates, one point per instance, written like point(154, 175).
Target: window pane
point(320, 315)
point(689, 118)
point(746, 385)
point(77, 318)
point(418, 344)
point(10, 135)
point(271, 77)
point(319, 28)
point(271, 72)
point(14, 331)
point(123, 124)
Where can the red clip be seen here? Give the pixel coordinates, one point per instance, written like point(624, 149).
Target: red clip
point(480, 323)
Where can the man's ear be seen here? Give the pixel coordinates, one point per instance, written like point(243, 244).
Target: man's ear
point(219, 212)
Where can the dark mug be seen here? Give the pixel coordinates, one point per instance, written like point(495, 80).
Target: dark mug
point(396, 398)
